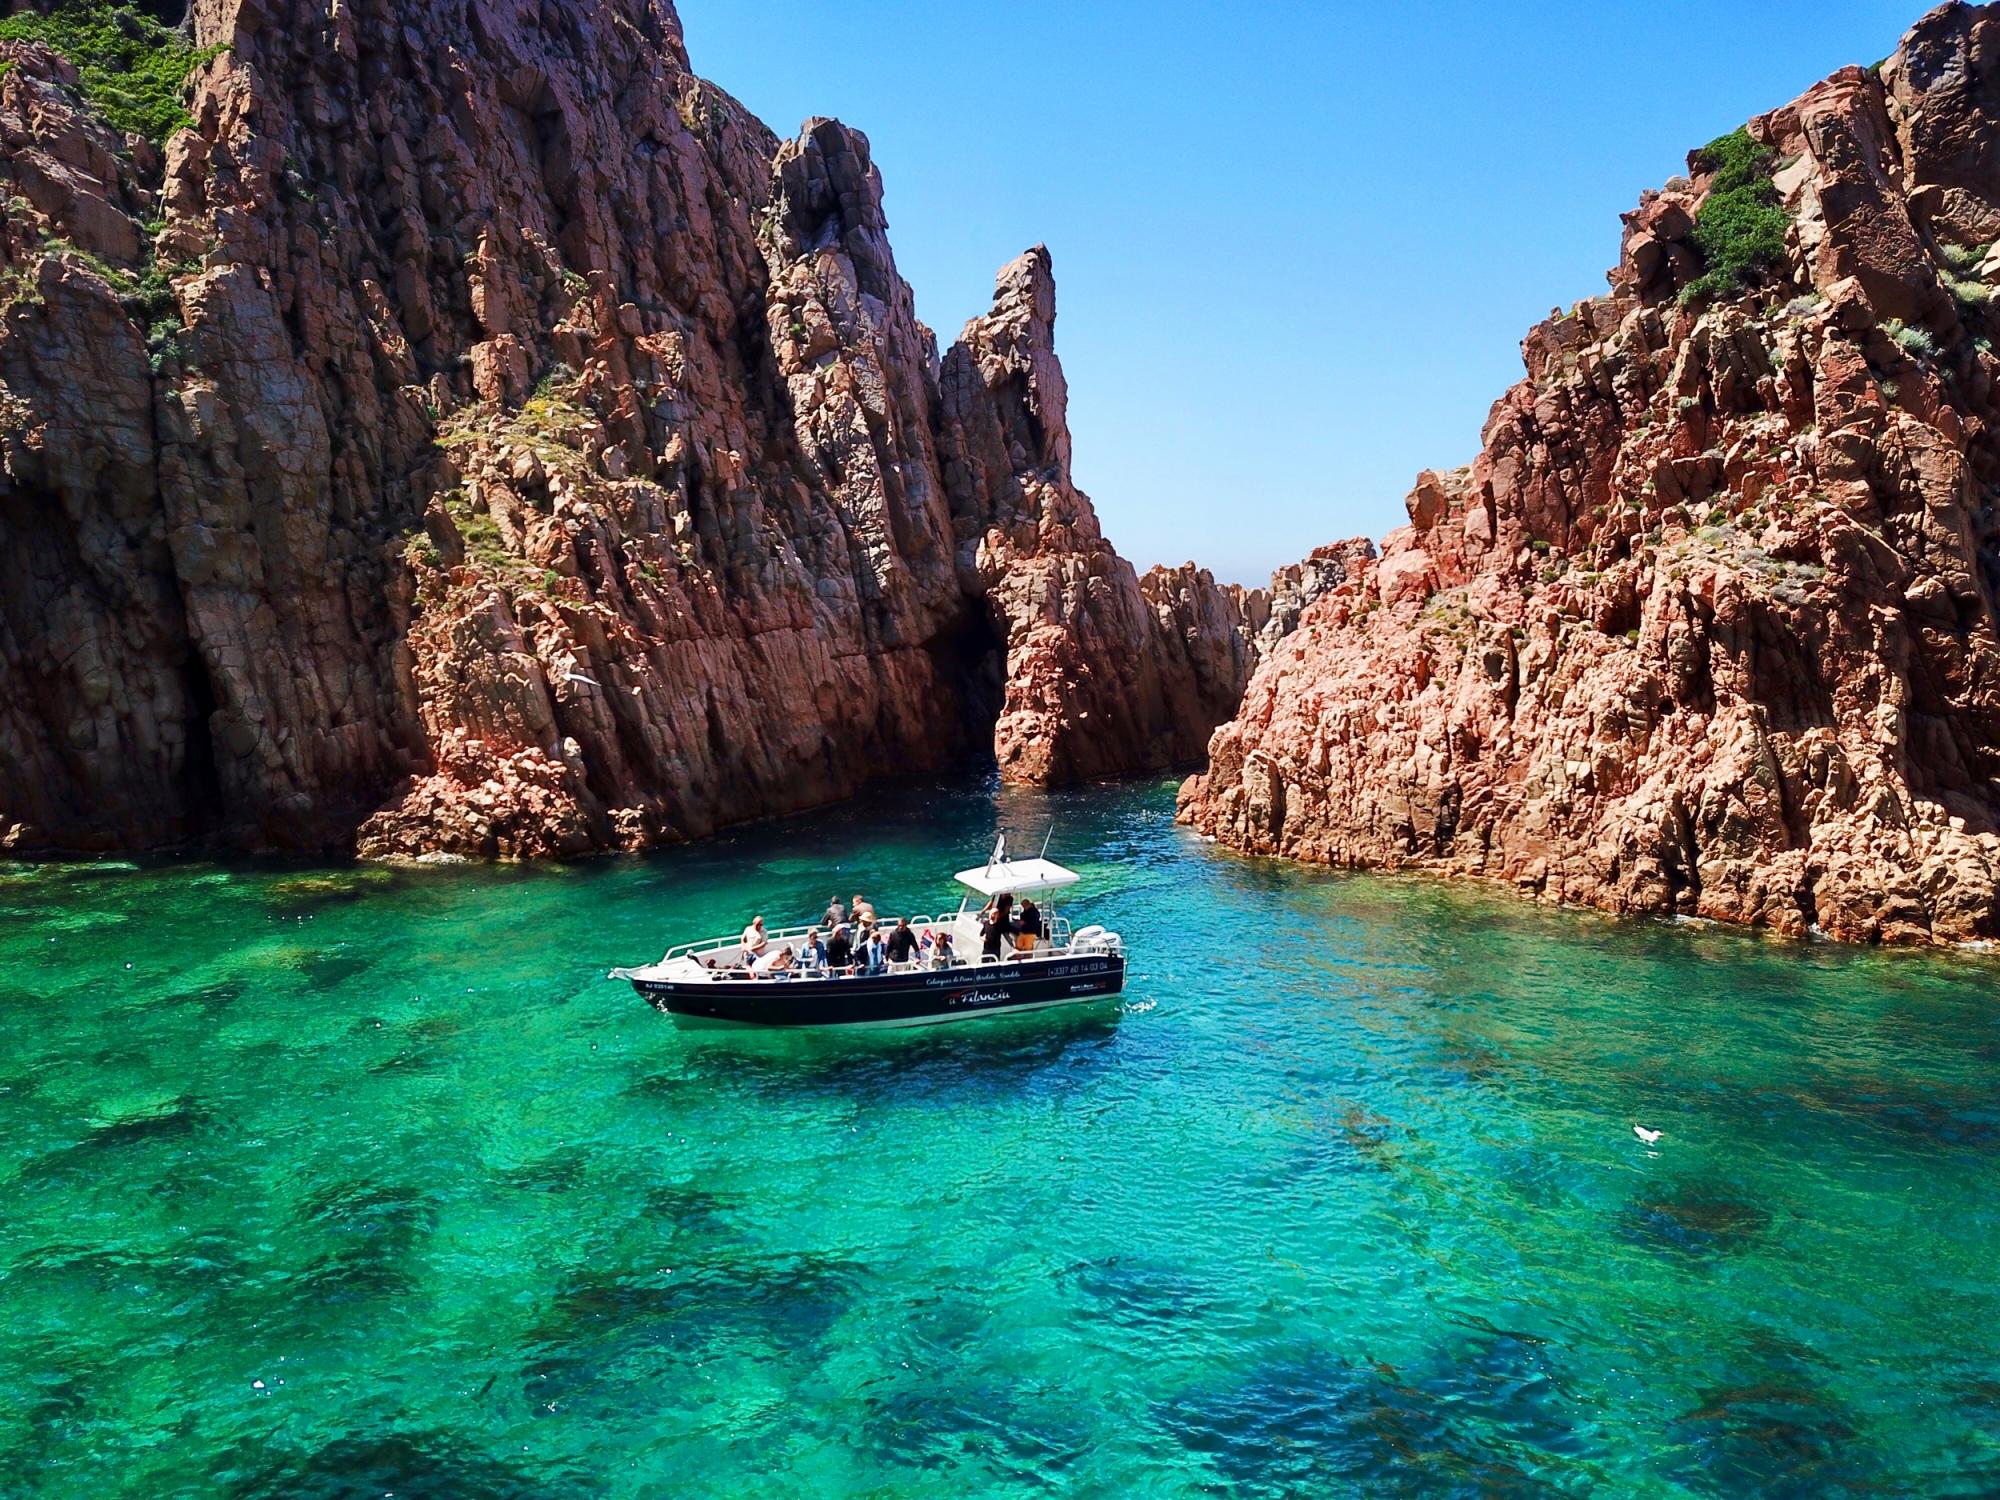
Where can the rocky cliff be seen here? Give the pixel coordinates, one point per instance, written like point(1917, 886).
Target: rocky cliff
point(457, 427)
point(1709, 626)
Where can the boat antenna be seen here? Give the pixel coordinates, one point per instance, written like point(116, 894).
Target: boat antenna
point(1046, 837)
point(999, 854)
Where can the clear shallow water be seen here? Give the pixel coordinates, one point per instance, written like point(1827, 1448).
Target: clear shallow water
point(1344, 1201)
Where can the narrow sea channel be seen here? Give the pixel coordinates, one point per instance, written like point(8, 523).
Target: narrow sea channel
point(333, 1183)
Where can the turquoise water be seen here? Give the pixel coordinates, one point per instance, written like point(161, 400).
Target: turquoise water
point(347, 1183)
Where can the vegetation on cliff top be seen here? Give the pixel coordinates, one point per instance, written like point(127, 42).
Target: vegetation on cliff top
point(1740, 229)
point(133, 69)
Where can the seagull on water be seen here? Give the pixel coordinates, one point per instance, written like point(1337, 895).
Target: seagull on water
point(1648, 1136)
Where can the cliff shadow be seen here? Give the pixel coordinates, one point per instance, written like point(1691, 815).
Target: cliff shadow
point(972, 656)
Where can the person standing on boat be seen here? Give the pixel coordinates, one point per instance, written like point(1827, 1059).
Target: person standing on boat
point(864, 909)
point(996, 925)
point(1029, 926)
point(754, 941)
point(840, 950)
point(871, 959)
point(902, 942)
point(835, 913)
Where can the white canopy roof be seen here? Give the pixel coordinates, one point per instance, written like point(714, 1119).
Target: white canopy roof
point(1023, 877)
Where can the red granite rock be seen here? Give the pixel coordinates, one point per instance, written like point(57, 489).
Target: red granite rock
point(1709, 627)
point(530, 453)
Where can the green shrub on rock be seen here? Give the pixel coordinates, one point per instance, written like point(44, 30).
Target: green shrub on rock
point(1970, 293)
point(133, 69)
point(1740, 228)
point(1915, 342)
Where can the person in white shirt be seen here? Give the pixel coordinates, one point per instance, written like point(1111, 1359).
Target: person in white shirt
point(772, 964)
point(754, 941)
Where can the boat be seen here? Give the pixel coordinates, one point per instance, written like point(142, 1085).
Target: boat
point(710, 983)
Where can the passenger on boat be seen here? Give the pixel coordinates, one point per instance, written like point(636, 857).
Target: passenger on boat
point(878, 953)
point(1027, 928)
point(835, 913)
point(840, 949)
point(813, 957)
point(754, 941)
point(773, 964)
point(941, 955)
point(902, 942)
point(996, 925)
point(864, 909)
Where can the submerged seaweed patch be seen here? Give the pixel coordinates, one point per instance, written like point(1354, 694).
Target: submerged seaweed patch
point(1779, 1439)
point(167, 1122)
point(373, 1233)
point(955, 1425)
point(1693, 1221)
point(610, 1330)
point(211, 1000)
point(424, 1465)
point(1138, 1292)
point(1487, 1418)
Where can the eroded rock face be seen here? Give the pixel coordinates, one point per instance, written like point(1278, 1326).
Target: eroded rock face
point(1103, 675)
point(1710, 625)
point(480, 435)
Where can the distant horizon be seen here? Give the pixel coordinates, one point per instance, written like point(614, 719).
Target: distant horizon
point(1293, 265)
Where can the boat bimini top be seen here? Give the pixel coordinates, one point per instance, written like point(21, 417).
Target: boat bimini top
point(1022, 877)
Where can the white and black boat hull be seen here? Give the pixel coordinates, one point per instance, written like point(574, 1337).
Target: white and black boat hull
point(919, 998)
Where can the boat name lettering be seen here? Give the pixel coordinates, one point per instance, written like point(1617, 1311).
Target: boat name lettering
point(979, 997)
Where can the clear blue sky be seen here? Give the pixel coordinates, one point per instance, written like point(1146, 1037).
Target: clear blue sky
point(1296, 245)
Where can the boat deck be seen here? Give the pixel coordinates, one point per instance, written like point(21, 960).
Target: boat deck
point(710, 982)
point(723, 960)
